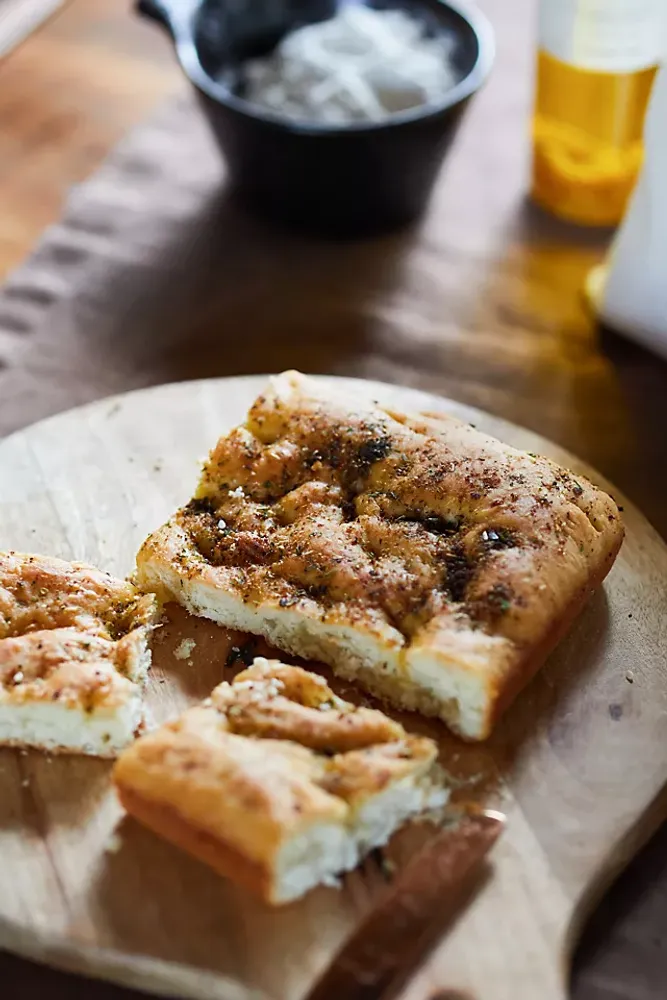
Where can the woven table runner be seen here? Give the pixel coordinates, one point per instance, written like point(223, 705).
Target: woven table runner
point(154, 275)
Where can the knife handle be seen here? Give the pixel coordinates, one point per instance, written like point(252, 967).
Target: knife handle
point(416, 908)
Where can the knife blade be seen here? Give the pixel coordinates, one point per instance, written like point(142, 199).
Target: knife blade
point(418, 905)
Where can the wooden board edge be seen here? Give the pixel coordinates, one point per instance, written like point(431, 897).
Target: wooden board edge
point(628, 846)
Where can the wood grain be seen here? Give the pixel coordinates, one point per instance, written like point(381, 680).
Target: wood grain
point(91, 484)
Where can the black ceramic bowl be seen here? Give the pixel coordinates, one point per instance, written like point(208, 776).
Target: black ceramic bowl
point(339, 181)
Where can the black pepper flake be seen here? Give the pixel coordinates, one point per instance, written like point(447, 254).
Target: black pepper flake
point(372, 451)
point(459, 572)
point(500, 598)
point(349, 510)
point(577, 489)
point(200, 505)
point(242, 654)
point(316, 591)
point(498, 538)
point(446, 525)
point(496, 602)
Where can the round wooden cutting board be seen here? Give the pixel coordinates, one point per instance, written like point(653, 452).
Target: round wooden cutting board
point(578, 764)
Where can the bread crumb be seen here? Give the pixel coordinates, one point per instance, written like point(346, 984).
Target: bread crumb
point(113, 844)
point(184, 649)
point(388, 866)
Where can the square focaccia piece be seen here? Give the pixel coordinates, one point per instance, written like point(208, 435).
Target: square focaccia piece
point(277, 783)
point(73, 654)
point(417, 556)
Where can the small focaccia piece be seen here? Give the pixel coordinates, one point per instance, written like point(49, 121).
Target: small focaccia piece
point(425, 560)
point(277, 783)
point(73, 654)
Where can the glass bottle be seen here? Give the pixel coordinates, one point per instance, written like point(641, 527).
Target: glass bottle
point(595, 68)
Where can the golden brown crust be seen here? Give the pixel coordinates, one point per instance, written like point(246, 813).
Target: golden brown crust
point(66, 667)
point(527, 666)
point(288, 703)
point(40, 593)
point(70, 636)
point(168, 823)
point(431, 537)
point(225, 781)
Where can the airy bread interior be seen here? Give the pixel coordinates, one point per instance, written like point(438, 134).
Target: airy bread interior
point(318, 855)
point(70, 729)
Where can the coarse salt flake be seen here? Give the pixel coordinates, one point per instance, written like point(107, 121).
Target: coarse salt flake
point(184, 649)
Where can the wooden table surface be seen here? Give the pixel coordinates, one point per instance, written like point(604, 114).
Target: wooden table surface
point(485, 308)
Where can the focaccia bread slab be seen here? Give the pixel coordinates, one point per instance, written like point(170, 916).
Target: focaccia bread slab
point(422, 558)
point(73, 655)
point(277, 783)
